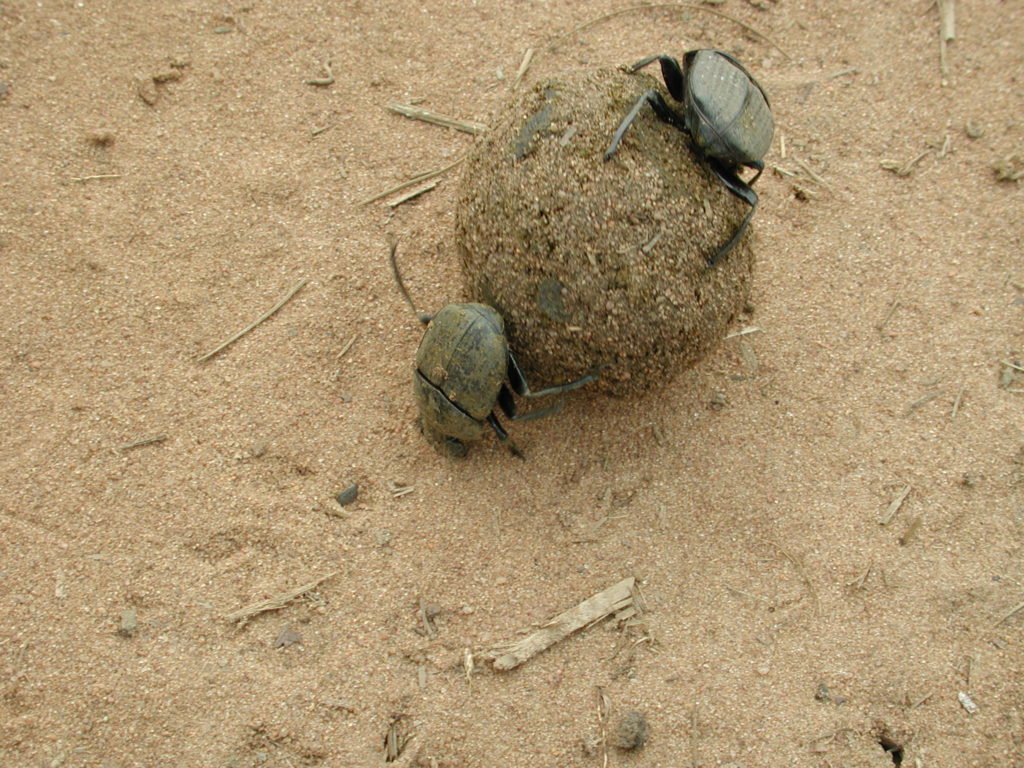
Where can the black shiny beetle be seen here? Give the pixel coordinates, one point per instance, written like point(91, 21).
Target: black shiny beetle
point(726, 114)
point(462, 366)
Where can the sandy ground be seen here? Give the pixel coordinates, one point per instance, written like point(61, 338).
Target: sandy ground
point(143, 222)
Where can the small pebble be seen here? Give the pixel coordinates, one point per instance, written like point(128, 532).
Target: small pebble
point(129, 623)
point(286, 637)
point(967, 702)
point(823, 693)
point(101, 138)
point(348, 495)
point(630, 732)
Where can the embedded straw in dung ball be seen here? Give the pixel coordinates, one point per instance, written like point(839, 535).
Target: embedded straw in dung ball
point(592, 263)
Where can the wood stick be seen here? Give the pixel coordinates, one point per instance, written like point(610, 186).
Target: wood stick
point(435, 118)
point(1018, 607)
point(347, 347)
point(295, 289)
point(894, 506)
point(957, 402)
point(276, 602)
point(140, 443)
point(813, 176)
point(947, 32)
point(413, 194)
point(744, 332)
point(414, 180)
point(947, 20)
point(594, 608)
point(525, 65)
point(96, 176)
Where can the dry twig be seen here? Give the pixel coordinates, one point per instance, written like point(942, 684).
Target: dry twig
point(435, 118)
point(140, 443)
point(1016, 609)
point(947, 31)
point(96, 176)
point(327, 79)
point(243, 614)
point(413, 194)
point(894, 506)
point(414, 180)
point(525, 65)
point(295, 289)
point(618, 597)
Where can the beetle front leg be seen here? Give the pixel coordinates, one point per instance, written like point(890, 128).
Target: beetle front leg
point(503, 435)
point(661, 109)
point(671, 73)
point(628, 121)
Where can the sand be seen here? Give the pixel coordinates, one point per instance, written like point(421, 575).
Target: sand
point(170, 172)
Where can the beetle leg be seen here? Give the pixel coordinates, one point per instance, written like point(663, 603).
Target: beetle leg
point(759, 167)
point(519, 385)
point(506, 402)
point(742, 190)
point(508, 407)
point(661, 108)
point(671, 72)
point(666, 113)
point(503, 435)
point(624, 125)
point(724, 250)
point(734, 183)
point(422, 317)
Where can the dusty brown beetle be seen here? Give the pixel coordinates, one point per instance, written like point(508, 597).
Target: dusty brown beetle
point(464, 369)
point(725, 112)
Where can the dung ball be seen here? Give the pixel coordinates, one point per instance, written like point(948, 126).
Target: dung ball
point(599, 266)
point(630, 731)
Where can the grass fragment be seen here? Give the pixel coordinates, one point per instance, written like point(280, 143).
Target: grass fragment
point(1009, 614)
point(327, 79)
point(523, 66)
point(663, 6)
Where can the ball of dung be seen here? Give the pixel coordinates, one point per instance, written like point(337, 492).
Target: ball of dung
point(629, 731)
point(599, 265)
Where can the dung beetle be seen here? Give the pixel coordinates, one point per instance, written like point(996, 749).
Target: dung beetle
point(463, 371)
point(725, 113)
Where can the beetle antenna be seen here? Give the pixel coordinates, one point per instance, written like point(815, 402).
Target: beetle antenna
point(423, 318)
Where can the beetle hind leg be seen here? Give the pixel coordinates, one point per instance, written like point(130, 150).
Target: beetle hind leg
point(518, 382)
point(742, 190)
point(507, 403)
point(671, 73)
